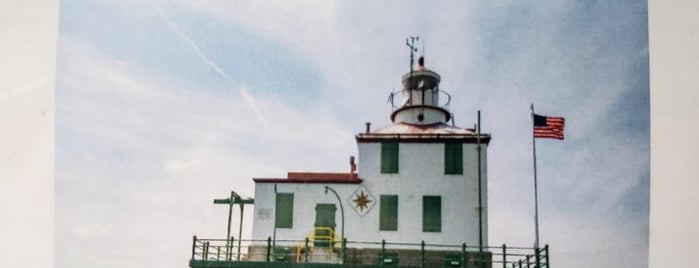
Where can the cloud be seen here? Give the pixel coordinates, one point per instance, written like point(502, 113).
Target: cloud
point(349, 44)
point(243, 90)
point(131, 145)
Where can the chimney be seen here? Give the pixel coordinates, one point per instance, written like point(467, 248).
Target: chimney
point(368, 127)
point(353, 166)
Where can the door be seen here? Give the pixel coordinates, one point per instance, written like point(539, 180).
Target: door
point(325, 218)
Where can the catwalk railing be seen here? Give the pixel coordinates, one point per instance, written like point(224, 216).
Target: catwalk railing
point(358, 253)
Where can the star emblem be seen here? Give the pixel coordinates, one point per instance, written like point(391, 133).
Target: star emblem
point(361, 201)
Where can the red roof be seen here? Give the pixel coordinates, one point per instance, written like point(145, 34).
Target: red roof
point(313, 177)
point(436, 128)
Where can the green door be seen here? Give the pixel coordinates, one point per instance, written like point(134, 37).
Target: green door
point(325, 217)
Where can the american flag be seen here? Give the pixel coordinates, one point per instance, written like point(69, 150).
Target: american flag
point(548, 127)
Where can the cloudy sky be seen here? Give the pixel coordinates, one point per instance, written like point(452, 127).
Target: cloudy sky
point(162, 106)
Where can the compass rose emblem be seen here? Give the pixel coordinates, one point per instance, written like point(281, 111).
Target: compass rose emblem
point(361, 200)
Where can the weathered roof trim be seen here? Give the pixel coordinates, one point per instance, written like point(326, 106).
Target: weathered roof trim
point(417, 73)
point(313, 177)
point(308, 180)
point(421, 138)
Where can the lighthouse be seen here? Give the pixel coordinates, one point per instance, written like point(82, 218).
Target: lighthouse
point(416, 180)
point(416, 195)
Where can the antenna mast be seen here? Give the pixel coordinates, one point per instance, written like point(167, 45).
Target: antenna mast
point(413, 49)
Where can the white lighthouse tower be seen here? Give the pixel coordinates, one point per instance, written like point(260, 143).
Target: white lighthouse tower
point(428, 175)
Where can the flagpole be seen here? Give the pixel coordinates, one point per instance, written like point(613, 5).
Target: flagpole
point(480, 202)
point(536, 202)
point(274, 233)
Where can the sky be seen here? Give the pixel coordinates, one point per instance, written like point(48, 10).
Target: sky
point(162, 106)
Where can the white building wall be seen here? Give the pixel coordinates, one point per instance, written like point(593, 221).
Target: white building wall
point(306, 196)
point(421, 172)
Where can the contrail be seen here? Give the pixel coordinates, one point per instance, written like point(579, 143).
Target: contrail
point(246, 96)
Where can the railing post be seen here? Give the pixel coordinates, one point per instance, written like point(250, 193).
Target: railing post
point(194, 246)
point(228, 247)
point(538, 259)
point(546, 248)
point(269, 245)
point(344, 250)
point(218, 253)
point(422, 253)
point(504, 256)
point(464, 258)
point(331, 245)
point(305, 251)
point(520, 263)
point(528, 264)
point(206, 251)
point(230, 251)
point(383, 250)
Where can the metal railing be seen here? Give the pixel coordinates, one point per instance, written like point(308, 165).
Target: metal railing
point(398, 98)
point(372, 253)
point(539, 259)
point(320, 236)
point(214, 249)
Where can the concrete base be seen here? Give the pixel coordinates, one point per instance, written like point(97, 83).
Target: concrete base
point(373, 256)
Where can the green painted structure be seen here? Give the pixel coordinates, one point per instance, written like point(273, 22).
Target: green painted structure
point(218, 253)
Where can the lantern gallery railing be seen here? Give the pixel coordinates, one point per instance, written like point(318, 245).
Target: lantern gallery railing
point(435, 97)
point(224, 253)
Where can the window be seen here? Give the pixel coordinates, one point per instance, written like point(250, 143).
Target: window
point(431, 213)
point(389, 157)
point(453, 158)
point(388, 213)
point(284, 210)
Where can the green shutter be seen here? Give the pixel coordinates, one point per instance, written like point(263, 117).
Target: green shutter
point(453, 158)
point(388, 213)
point(284, 210)
point(389, 157)
point(431, 213)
